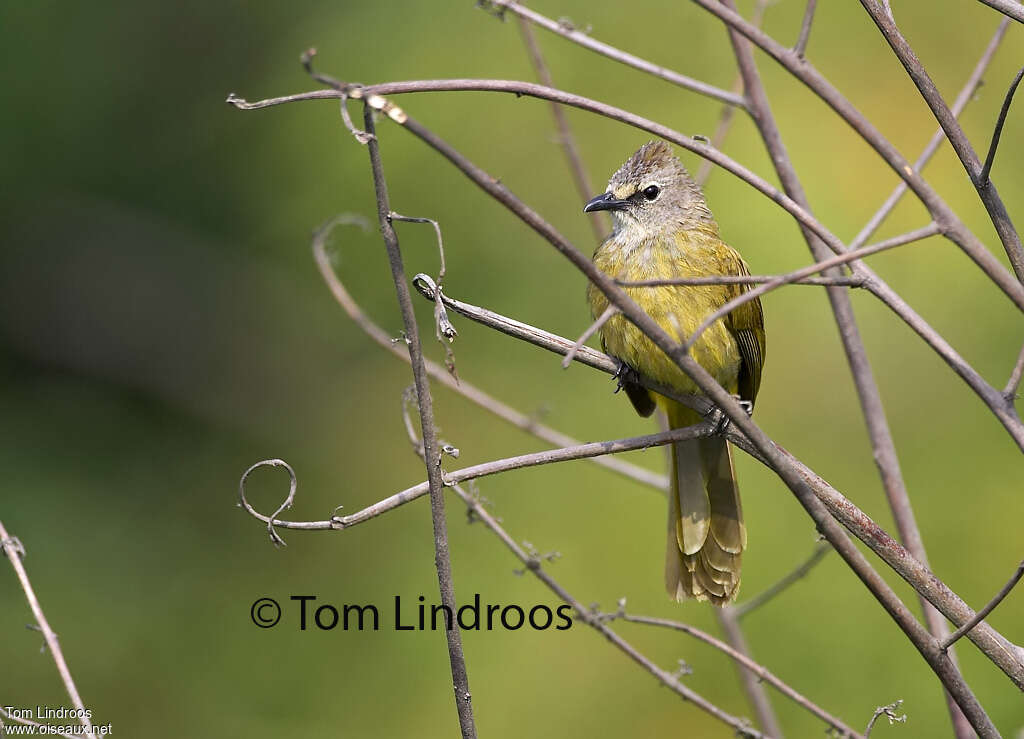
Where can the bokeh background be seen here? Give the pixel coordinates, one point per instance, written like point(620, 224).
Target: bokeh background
point(163, 326)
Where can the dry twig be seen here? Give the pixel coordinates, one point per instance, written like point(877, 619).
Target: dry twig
point(15, 552)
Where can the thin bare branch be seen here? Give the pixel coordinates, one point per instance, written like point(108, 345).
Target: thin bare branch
point(567, 31)
point(580, 178)
point(1013, 384)
point(1009, 8)
point(980, 615)
point(553, 343)
point(503, 411)
point(728, 112)
point(837, 281)
point(752, 684)
point(498, 466)
point(941, 213)
point(957, 138)
point(725, 121)
point(921, 233)
point(965, 96)
point(805, 28)
point(762, 672)
point(431, 450)
point(15, 552)
point(983, 177)
point(592, 329)
point(742, 609)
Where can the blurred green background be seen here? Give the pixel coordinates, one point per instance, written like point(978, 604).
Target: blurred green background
point(163, 326)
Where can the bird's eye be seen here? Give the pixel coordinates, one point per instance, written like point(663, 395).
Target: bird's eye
point(651, 192)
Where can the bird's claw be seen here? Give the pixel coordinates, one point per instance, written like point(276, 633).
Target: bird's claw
point(624, 375)
point(717, 418)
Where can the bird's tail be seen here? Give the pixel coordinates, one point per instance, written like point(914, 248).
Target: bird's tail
point(706, 535)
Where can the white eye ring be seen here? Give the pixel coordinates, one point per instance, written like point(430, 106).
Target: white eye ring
point(651, 192)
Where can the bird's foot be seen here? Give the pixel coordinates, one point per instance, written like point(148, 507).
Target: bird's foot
point(717, 418)
point(624, 375)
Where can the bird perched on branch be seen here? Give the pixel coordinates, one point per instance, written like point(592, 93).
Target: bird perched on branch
point(662, 230)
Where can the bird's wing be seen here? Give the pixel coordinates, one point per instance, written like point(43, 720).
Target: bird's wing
point(747, 326)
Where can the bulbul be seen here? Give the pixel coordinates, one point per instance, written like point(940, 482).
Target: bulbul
point(663, 229)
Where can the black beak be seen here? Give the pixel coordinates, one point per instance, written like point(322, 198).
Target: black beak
point(605, 201)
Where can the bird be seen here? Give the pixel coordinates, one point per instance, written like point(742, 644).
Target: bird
point(663, 229)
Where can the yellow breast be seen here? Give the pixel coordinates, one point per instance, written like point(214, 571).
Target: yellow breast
point(679, 310)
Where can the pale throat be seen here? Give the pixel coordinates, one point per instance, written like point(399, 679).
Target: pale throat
point(642, 248)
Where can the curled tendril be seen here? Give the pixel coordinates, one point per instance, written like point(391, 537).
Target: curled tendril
point(425, 285)
point(292, 486)
point(429, 289)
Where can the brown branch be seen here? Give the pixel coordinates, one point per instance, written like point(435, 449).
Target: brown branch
point(837, 281)
point(553, 343)
point(463, 388)
point(566, 31)
point(983, 176)
point(431, 451)
point(748, 664)
point(742, 609)
point(941, 213)
point(566, 140)
point(1009, 8)
point(485, 469)
point(961, 144)
point(592, 329)
point(805, 28)
point(964, 97)
point(753, 685)
point(1013, 384)
point(15, 552)
point(728, 112)
point(980, 615)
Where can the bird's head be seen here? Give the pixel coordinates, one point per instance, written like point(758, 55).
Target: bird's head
point(652, 194)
